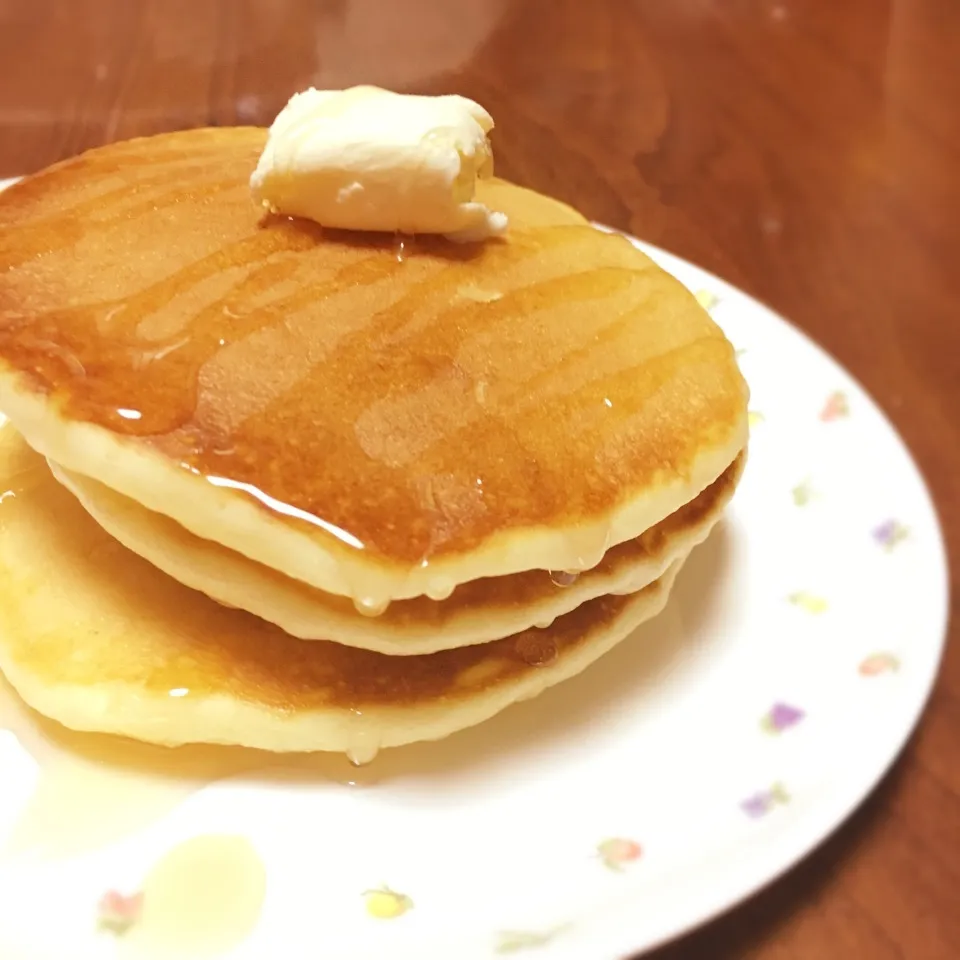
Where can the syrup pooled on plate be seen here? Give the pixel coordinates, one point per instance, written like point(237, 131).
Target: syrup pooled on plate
point(92, 790)
point(200, 900)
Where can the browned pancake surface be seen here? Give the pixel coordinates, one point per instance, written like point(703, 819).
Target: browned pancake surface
point(419, 401)
point(137, 627)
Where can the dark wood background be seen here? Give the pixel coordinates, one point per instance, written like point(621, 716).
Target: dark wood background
point(807, 150)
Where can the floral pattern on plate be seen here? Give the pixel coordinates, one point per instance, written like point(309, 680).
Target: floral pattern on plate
point(386, 904)
point(780, 717)
point(836, 407)
point(117, 912)
point(804, 493)
point(617, 852)
point(123, 915)
point(516, 941)
point(878, 663)
point(201, 898)
point(890, 533)
point(707, 299)
point(763, 802)
point(809, 602)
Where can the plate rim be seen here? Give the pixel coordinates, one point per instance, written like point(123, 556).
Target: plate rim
point(769, 861)
point(811, 832)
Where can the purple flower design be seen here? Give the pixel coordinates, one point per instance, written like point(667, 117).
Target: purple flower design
point(756, 806)
point(890, 533)
point(780, 717)
point(760, 804)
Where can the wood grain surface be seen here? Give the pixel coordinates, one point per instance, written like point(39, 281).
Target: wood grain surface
point(807, 150)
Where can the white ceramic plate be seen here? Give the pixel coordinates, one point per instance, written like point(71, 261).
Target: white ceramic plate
point(687, 769)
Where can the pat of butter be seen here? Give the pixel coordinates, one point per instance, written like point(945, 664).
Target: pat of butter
point(369, 159)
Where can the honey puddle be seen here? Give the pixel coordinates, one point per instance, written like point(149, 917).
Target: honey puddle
point(92, 790)
point(205, 895)
point(200, 900)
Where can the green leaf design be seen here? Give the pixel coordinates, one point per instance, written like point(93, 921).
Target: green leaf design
point(803, 493)
point(515, 941)
point(809, 602)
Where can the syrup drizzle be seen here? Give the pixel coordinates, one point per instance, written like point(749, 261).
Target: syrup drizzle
point(92, 790)
point(402, 246)
point(315, 365)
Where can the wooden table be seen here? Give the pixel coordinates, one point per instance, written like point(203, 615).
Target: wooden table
point(807, 150)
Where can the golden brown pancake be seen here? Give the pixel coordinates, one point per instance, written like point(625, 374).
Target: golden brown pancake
point(379, 421)
point(477, 612)
point(98, 639)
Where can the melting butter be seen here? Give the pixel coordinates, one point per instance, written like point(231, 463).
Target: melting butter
point(370, 159)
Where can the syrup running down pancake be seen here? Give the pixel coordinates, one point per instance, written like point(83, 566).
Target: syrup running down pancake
point(379, 420)
point(263, 429)
point(477, 612)
point(98, 639)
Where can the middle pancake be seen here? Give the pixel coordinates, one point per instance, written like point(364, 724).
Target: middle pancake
point(479, 611)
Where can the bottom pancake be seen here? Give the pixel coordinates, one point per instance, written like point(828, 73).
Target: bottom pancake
point(95, 637)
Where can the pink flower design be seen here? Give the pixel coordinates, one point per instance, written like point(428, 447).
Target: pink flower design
point(117, 913)
point(878, 663)
point(835, 407)
point(618, 851)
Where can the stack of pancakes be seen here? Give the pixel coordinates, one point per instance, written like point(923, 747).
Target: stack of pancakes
point(298, 489)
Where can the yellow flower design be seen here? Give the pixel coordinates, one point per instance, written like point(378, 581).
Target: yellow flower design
point(386, 904)
point(808, 601)
point(707, 299)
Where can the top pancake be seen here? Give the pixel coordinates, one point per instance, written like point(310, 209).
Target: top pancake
point(375, 421)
